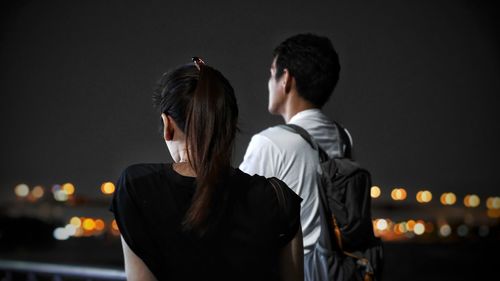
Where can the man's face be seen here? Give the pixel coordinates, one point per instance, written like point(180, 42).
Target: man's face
point(276, 91)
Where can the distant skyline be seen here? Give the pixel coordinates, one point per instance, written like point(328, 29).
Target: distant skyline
point(418, 88)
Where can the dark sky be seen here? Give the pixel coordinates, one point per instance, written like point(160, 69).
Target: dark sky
point(418, 89)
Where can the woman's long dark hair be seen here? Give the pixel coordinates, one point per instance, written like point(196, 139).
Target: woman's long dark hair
point(203, 104)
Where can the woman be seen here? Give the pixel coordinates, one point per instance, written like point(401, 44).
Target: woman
point(199, 218)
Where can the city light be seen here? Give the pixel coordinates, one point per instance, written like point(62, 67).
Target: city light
point(22, 190)
point(60, 233)
point(424, 196)
point(37, 192)
point(68, 188)
point(382, 224)
point(472, 201)
point(375, 192)
point(448, 198)
point(493, 203)
point(398, 194)
point(388, 230)
point(76, 221)
point(445, 230)
point(114, 225)
point(108, 188)
point(419, 228)
point(410, 224)
point(59, 193)
point(70, 229)
point(99, 225)
point(88, 224)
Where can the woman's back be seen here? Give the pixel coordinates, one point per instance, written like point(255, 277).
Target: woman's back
point(150, 206)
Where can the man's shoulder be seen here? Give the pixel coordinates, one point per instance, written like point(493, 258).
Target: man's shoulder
point(280, 138)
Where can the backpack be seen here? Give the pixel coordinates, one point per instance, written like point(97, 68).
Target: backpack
point(349, 249)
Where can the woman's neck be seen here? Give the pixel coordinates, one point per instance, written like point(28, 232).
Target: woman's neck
point(184, 169)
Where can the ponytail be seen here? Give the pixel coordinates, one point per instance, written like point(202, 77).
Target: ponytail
point(210, 129)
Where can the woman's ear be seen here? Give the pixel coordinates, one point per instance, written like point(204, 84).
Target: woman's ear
point(168, 128)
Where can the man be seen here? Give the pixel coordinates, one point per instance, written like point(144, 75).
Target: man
point(304, 72)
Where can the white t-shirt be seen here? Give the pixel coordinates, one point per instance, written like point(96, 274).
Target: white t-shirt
point(276, 152)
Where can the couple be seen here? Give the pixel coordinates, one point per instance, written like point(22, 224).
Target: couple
point(200, 219)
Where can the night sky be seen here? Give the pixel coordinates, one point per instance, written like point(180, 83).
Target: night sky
point(418, 88)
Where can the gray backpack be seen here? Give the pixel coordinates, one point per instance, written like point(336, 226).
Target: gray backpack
point(348, 250)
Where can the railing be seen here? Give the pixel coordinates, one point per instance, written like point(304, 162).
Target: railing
point(11, 270)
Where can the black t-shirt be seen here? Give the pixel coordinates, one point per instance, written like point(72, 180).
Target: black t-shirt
point(150, 204)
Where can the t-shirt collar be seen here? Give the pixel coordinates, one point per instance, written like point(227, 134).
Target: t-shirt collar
point(304, 114)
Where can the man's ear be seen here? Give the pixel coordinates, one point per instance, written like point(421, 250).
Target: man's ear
point(168, 127)
point(287, 80)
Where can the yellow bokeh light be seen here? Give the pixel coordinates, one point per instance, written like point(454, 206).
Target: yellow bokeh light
point(375, 192)
point(467, 201)
point(448, 198)
point(426, 196)
point(88, 224)
point(398, 194)
point(472, 201)
point(22, 190)
point(99, 225)
point(419, 197)
point(68, 188)
point(108, 188)
point(493, 203)
point(402, 227)
point(76, 221)
point(37, 192)
point(114, 225)
point(410, 224)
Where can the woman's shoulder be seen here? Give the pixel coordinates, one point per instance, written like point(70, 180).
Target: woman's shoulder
point(139, 177)
point(262, 188)
point(143, 169)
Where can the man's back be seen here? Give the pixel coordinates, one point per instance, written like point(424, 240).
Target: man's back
point(285, 155)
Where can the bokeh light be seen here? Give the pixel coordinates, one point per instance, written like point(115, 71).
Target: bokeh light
point(419, 228)
point(60, 233)
point(68, 188)
point(76, 221)
point(398, 194)
point(99, 225)
point(88, 224)
point(448, 198)
point(375, 192)
point(472, 201)
point(382, 224)
point(493, 203)
point(424, 196)
point(108, 188)
point(445, 230)
point(37, 192)
point(114, 225)
point(22, 190)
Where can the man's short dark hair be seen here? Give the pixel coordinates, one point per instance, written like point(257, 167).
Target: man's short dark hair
point(313, 62)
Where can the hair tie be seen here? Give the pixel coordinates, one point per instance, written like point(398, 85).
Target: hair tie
point(198, 62)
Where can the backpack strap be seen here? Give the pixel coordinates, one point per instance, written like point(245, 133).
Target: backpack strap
point(344, 136)
point(326, 215)
point(323, 156)
point(346, 139)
